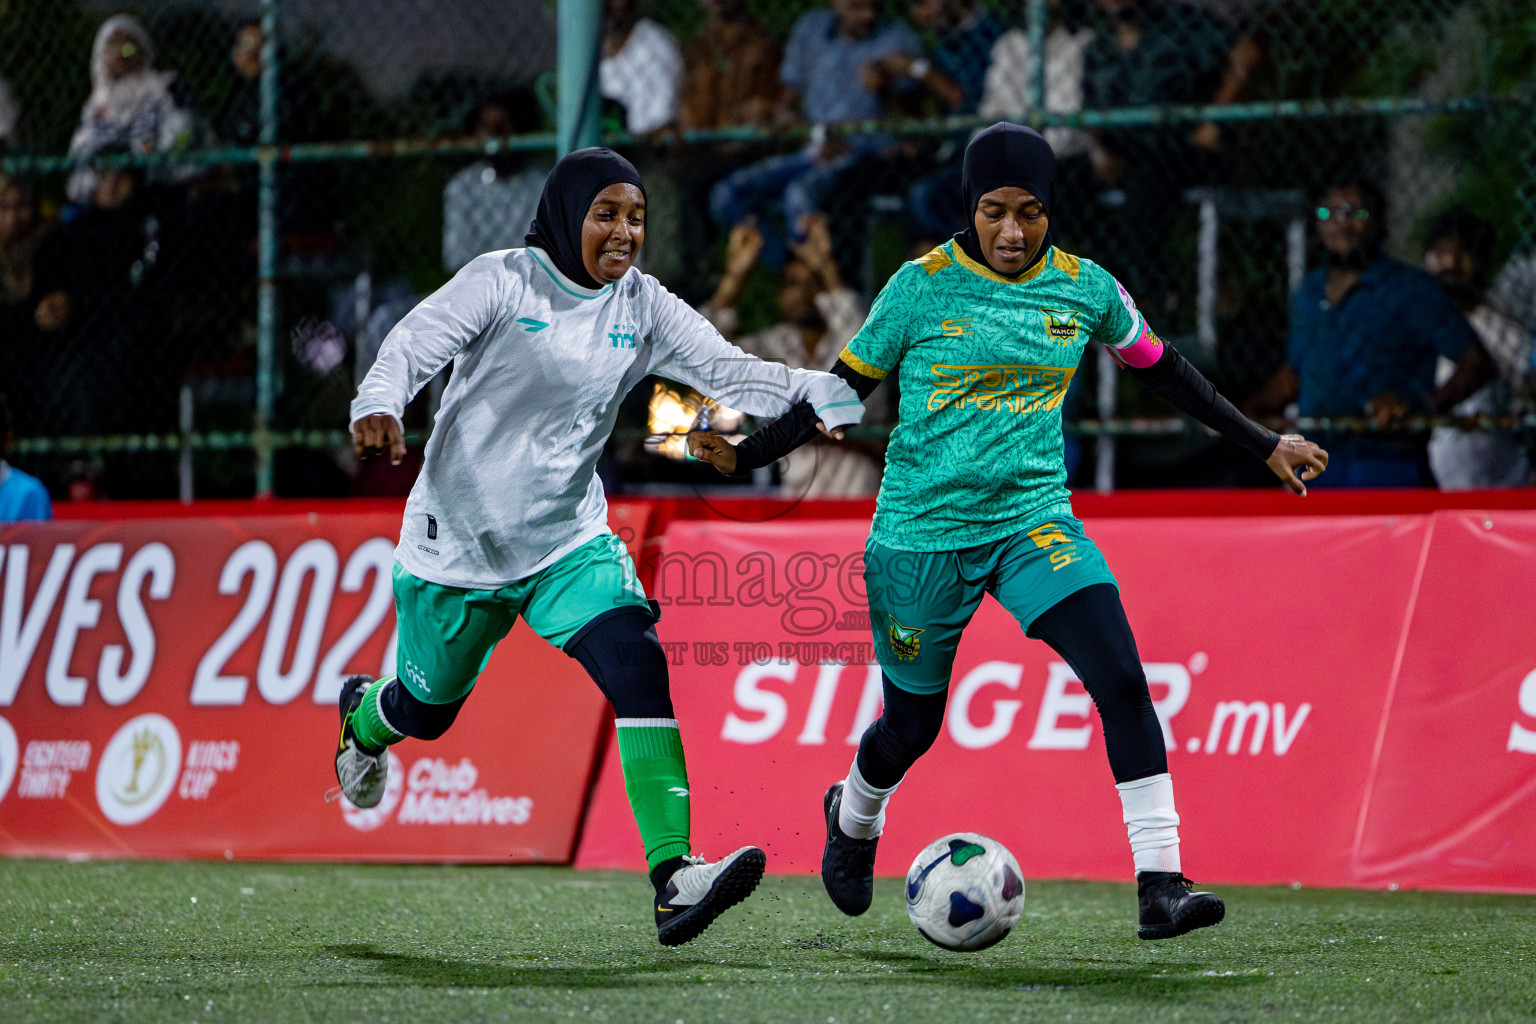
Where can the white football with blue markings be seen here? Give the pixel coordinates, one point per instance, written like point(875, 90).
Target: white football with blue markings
point(965, 892)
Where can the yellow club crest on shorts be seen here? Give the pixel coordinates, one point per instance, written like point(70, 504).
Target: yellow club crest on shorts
point(904, 640)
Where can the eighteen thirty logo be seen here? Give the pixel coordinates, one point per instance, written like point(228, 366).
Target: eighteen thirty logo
point(138, 769)
point(9, 754)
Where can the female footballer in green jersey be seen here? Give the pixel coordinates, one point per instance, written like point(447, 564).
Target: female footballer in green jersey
point(984, 334)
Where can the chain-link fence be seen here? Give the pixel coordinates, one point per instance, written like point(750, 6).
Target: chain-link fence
point(214, 211)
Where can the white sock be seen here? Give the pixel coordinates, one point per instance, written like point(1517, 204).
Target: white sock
point(862, 813)
point(1151, 822)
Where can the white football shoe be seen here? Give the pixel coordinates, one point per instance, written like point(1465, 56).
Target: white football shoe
point(698, 892)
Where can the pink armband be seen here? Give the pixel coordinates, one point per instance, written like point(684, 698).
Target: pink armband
point(1141, 353)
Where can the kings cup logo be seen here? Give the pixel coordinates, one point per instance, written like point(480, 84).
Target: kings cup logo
point(138, 769)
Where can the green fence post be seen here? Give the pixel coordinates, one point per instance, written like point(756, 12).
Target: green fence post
point(266, 251)
point(580, 28)
point(1037, 20)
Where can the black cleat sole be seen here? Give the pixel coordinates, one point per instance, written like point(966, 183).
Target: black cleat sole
point(1202, 914)
point(734, 885)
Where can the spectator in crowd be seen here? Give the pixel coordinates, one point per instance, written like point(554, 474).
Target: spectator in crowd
point(954, 78)
point(829, 78)
point(821, 315)
point(8, 114)
point(1366, 332)
point(1457, 251)
point(641, 69)
point(489, 205)
point(1150, 52)
point(22, 496)
point(113, 259)
point(730, 71)
point(131, 104)
point(33, 311)
point(1006, 92)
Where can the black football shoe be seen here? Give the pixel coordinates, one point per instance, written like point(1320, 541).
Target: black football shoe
point(698, 892)
point(1169, 907)
point(847, 864)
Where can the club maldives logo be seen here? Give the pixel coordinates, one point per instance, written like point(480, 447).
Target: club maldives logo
point(10, 752)
point(367, 819)
point(138, 769)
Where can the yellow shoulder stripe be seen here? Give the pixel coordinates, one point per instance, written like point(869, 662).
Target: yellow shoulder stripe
point(860, 366)
point(1066, 263)
point(935, 261)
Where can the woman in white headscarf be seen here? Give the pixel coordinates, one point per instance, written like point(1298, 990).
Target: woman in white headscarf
point(130, 103)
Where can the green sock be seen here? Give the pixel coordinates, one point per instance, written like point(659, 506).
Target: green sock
point(370, 730)
point(656, 779)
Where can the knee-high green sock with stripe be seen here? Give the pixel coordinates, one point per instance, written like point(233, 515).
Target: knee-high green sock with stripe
point(369, 727)
point(656, 779)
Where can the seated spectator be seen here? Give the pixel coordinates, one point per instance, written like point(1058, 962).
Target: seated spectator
point(956, 72)
point(8, 115)
point(954, 79)
point(821, 315)
point(131, 104)
point(1149, 52)
point(641, 69)
point(1457, 251)
point(113, 260)
point(730, 71)
point(489, 205)
point(22, 496)
point(827, 79)
point(33, 311)
point(1366, 332)
point(1005, 94)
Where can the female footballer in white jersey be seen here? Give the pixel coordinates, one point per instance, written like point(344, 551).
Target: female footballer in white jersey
point(508, 517)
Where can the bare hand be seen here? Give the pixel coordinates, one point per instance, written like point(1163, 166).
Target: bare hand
point(872, 76)
point(1386, 409)
point(1206, 136)
point(816, 250)
point(379, 432)
point(710, 447)
point(1292, 452)
point(743, 248)
point(53, 312)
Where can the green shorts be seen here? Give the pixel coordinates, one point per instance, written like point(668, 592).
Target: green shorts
point(920, 601)
point(447, 633)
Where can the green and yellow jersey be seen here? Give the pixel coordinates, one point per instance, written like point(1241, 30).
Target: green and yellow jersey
point(983, 363)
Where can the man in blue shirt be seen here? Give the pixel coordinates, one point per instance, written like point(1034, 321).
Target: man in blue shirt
point(830, 76)
point(22, 496)
point(1366, 331)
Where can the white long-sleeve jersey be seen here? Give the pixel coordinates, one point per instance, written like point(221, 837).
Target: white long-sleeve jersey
point(540, 366)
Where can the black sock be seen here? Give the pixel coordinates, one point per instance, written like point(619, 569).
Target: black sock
point(661, 873)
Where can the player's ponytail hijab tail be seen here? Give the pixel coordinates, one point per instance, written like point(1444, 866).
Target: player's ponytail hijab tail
point(568, 193)
point(997, 157)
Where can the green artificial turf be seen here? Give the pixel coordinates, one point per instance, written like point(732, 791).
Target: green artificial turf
point(345, 943)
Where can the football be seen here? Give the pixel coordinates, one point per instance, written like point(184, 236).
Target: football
point(965, 892)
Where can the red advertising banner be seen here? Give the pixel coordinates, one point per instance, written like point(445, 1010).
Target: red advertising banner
point(1453, 794)
point(1269, 645)
point(168, 689)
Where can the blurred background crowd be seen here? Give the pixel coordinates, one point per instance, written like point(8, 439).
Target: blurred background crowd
point(1329, 207)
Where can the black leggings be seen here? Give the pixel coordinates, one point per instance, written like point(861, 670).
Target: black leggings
point(1089, 630)
point(619, 650)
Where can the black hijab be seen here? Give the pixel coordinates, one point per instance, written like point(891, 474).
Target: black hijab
point(568, 193)
point(997, 157)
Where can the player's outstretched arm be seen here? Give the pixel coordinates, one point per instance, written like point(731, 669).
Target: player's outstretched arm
point(778, 438)
point(1165, 372)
